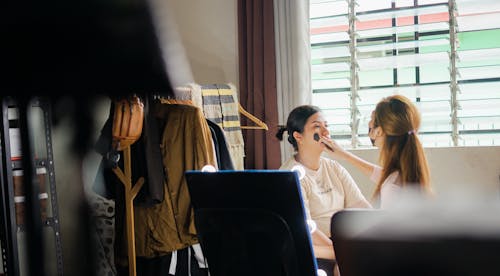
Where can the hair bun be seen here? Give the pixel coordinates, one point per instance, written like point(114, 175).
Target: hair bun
point(281, 130)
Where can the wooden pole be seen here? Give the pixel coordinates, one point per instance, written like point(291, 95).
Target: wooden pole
point(130, 193)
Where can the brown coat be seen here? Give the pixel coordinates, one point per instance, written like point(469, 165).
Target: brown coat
point(186, 144)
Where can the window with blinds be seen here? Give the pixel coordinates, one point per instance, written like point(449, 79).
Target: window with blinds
point(444, 55)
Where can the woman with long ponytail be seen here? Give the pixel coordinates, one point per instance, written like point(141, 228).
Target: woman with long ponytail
point(394, 129)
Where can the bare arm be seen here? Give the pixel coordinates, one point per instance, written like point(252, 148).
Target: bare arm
point(322, 245)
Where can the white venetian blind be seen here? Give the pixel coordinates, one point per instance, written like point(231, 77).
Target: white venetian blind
point(444, 55)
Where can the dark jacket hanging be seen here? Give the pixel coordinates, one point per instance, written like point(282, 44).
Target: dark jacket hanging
point(224, 160)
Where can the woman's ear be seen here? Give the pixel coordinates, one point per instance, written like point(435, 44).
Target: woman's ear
point(298, 137)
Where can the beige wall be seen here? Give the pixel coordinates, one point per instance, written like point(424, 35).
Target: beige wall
point(208, 30)
point(471, 170)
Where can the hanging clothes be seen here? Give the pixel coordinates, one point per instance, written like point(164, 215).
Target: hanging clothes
point(220, 105)
point(224, 160)
point(160, 157)
point(186, 263)
point(186, 144)
point(145, 161)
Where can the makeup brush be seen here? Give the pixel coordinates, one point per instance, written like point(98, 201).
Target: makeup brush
point(316, 137)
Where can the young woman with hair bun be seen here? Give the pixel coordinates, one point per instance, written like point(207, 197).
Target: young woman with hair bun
point(326, 187)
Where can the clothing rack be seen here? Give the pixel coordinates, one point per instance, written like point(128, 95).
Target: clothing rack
point(127, 128)
point(187, 93)
point(27, 161)
point(131, 192)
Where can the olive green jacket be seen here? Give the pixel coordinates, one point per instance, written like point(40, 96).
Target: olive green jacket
point(186, 144)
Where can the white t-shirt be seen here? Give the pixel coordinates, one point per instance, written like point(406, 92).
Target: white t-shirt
point(326, 191)
point(391, 188)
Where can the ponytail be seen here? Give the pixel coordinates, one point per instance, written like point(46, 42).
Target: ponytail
point(405, 154)
point(281, 130)
point(414, 167)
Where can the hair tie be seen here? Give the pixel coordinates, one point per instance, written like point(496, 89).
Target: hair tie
point(413, 131)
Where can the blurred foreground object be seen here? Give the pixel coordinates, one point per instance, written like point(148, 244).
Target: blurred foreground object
point(457, 237)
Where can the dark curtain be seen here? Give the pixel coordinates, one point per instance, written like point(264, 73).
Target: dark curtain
point(257, 78)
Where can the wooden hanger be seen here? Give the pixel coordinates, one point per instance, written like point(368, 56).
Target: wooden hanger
point(259, 123)
point(176, 101)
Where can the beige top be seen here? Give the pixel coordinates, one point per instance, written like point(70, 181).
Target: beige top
point(326, 191)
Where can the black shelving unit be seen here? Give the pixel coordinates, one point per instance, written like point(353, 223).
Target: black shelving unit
point(13, 161)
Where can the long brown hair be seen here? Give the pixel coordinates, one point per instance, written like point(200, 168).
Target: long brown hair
point(402, 151)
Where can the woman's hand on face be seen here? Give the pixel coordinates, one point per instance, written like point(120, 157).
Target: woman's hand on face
point(332, 148)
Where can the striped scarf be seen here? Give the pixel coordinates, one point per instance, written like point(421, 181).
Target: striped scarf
point(220, 105)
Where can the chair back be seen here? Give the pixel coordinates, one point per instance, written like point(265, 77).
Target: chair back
point(251, 222)
point(376, 242)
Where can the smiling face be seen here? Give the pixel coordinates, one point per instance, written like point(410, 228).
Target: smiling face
point(305, 140)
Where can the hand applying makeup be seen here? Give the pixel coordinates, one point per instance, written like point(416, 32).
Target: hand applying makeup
point(333, 150)
point(317, 138)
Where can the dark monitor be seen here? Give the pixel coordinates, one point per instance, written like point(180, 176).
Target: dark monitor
point(251, 222)
point(376, 242)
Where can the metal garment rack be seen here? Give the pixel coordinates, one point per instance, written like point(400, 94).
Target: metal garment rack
point(32, 229)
